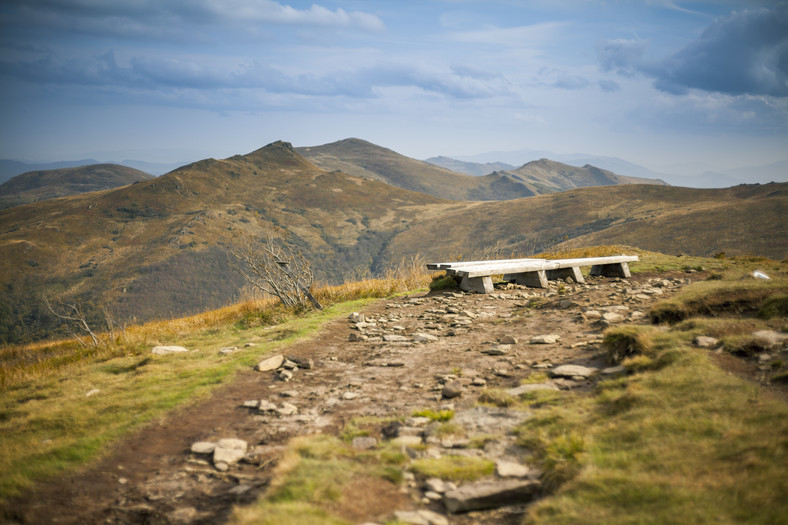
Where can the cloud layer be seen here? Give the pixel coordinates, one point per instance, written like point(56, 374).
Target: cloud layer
point(744, 53)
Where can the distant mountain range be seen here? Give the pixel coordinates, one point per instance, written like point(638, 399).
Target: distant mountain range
point(12, 168)
point(158, 248)
point(49, 184)
point(478, 165)
point(363, 159)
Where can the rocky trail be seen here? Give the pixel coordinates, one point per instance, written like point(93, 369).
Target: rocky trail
point(437, 351)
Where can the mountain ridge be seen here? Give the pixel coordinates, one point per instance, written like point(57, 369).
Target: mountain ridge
point(158, 248)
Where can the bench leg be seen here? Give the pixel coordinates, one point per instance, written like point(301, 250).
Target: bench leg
point(611, 270)
point(477, 284)
point(563, 273)
point(537, 279)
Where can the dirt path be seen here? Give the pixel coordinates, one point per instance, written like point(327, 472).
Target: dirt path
point(153, 478)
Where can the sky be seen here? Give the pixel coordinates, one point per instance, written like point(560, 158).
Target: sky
point(666, 84)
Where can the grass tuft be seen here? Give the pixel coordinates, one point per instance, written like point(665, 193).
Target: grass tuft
point(625, 341)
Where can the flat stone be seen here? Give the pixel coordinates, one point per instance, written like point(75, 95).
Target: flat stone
point(395, 338)
point(303, 362)
point(420, 517)
point(546, 339)
point(266, 406)
point(771, 337)
point(424, 338)
point(501, 349)
point(287, 409)
point(490, 495)
point(524, 389)
point(452, 390)
point(348, 396)
point(364, 442)
point(508, 340)
point(164, 350)
point(435, 485)
point(229, 451)
point(228, 349)
point(704, 341)
point(572, 371)
point(272, 363)
point(253, 403)
point(612, 317)
point(203, 447)
point(357, 337)
point(510, 469)
point(478, 381)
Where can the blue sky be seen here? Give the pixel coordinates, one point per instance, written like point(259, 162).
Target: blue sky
point(661, 83)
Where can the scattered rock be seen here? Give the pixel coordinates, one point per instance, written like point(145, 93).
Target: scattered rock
point(489, 495)
point(228, 349)
point(266, 406)
point(524, 389)
point(612, 317)
point(357, 337)
point(347, 396)
point(452, 390)
point(164, 350)
point(420, 517)
point(254, 403)
point(510, 469)
point(305, 363)
point(614, 370)
point(424, 338)
point(287, 409)
point(203, 447)
point(364, 442)
point(272, 363)
point(285, 375)
point(508, 340)
point(92, 393)
point(501, 349)
point(229, 451)
point(478, 381)
point(546, 339)
point(572, 371)
point(395, 338)
point(704, 341)
point(771, 338)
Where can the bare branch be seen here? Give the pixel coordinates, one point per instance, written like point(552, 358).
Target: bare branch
point(275, 268)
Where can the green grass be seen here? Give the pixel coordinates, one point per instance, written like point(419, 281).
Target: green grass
point(310, 481)
point(48, 425)
point(677, 441)
point(453, 468)
point(435, 415)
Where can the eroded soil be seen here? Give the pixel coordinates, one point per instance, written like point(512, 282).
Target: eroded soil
point(152, 477)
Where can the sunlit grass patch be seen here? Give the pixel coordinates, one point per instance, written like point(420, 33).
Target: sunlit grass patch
point(453, 468)
point(673, 444)
point(313, 477)
point(48, 424)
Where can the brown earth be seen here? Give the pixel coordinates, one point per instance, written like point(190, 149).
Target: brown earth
point(153, 478)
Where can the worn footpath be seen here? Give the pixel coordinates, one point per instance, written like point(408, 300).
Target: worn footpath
point(437, 351)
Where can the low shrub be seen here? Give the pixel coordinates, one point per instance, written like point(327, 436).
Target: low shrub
point(625, 341)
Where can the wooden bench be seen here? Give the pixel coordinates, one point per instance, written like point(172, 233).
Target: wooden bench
point(476, 276)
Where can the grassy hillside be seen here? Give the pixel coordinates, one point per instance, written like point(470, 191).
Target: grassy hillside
point(158, 248)
point(49, 184)
point(367, 160)
point(739, 221)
